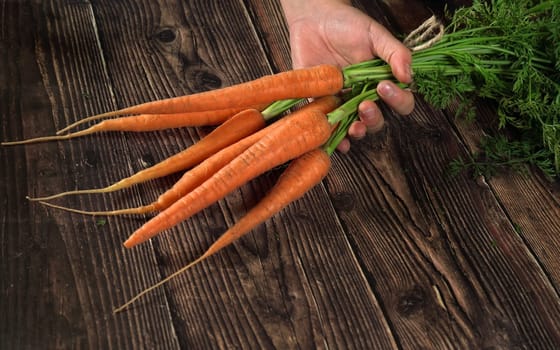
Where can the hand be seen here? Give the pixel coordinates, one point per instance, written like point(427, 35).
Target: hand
point(334, 32)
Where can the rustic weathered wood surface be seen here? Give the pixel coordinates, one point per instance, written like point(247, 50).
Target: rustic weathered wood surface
point(385, 253)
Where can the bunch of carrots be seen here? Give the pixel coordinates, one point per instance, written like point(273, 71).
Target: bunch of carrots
point(476, 55)
point(253, 134)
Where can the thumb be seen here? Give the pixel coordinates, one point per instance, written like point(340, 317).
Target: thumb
point(385, 46)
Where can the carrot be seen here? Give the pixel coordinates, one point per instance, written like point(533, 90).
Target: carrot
point(301, 175)
point(315, 81)
point(301, 133)
point(195, 177)
point(171, 120)
point(234, 129)
point(142, 123)
point(203, 171)
point(188, 182)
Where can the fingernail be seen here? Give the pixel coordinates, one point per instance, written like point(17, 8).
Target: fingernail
point(368, 115)
point(410, 71)
point(386, 90)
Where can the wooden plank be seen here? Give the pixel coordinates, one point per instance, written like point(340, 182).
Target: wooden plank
point(444, 255)
point(61, 272)
point(387, 254)
point(428, 244)
point(258, 293)
point(530, 200)
point(272, 31)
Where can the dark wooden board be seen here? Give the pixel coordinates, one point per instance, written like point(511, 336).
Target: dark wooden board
point(386, 253)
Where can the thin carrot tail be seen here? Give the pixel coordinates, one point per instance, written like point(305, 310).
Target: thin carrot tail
point(114, 187)
point(160, 121)
point(88, 131)
point(126, 211)
point(89, 119)
point(305, 132)
point(159, 284)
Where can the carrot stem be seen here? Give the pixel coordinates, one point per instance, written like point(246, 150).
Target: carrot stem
point(347, 113)
point(277, 108)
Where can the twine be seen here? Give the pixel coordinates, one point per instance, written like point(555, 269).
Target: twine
point(426, 35)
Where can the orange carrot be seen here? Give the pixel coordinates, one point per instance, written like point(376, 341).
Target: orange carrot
point(231, 131)
point(143, 123)
point(188, 182)
point(301, 175)
point(301, 133)
point(160, 121)
point(203, 171)
point(195, 177)
point(315, 81)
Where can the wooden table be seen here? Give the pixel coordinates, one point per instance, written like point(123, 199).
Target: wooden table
point(386, 253)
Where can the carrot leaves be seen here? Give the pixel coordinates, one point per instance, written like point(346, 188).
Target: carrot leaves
point(506, 51)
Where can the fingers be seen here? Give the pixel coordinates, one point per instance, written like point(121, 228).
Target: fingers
point(371, 121)
point(371, 118)
point(391, 50)
point(401, 101)
point(343, 146)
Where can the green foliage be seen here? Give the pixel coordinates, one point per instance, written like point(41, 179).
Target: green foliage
point(498, 153)
point(506, 51)
point(503, 50)
point(441, 91)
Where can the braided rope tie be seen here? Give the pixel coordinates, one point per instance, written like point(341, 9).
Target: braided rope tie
point(426, 35)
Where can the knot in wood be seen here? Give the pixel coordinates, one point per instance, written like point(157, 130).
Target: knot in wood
point(166, 35)
point(411, 302)
point(205, 80)
point(344, 201)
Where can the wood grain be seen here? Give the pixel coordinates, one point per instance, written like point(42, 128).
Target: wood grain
point(62, 271)
point(387, 253)
point(536, 218)
point(437, 247)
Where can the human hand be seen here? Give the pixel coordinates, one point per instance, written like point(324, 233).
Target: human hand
point(335, 32)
